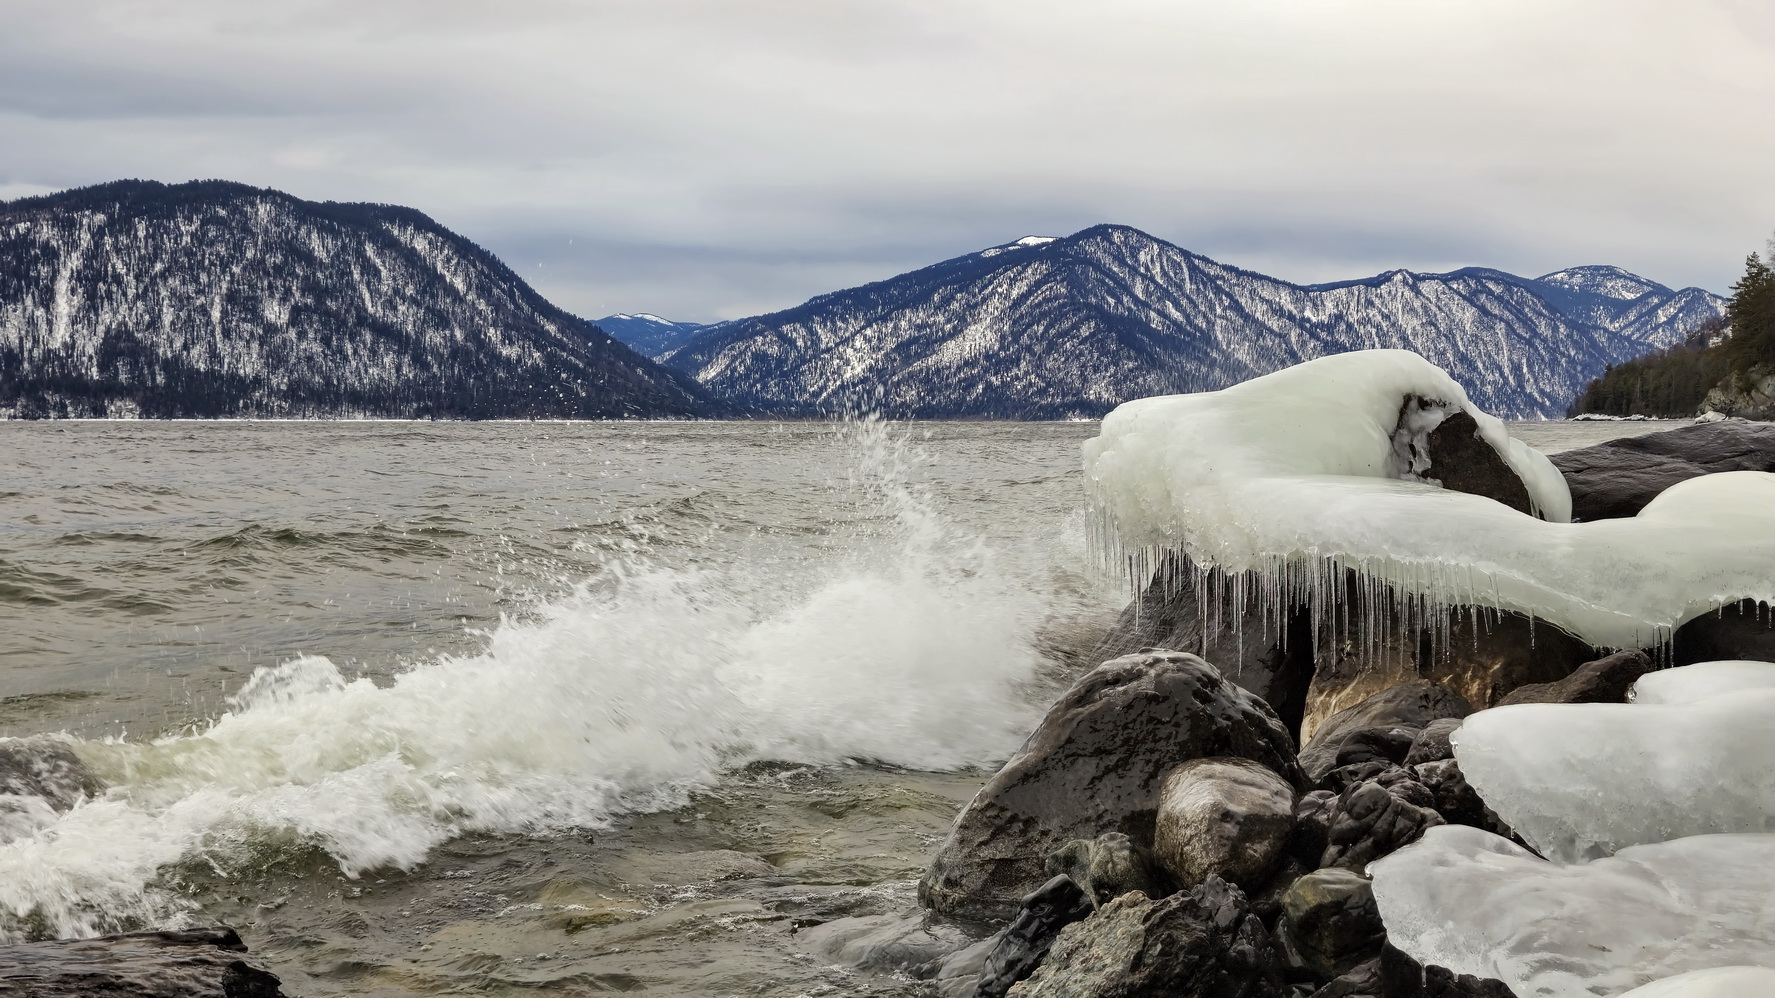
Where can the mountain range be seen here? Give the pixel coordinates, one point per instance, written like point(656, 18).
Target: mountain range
point(218, 299)
point(1047, 328)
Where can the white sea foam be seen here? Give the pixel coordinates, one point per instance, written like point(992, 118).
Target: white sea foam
point(1295, 476)
point(912, 648)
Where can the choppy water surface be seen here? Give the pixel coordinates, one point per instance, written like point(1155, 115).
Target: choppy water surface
point(529, 708)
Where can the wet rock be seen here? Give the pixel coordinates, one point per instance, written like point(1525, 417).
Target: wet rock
point(1227, 620)
point(1190, 945)
point(1381, 727)
point(43, 766)
point(1605, 680)
point(885, 943)
point(1096, 764)
point(1225, 817)
point(1107, 867)
point(1330, 923)
point(1460, 460)
point(1403, 977)
point(1620, 477)
point(1455, 800)
point(1433, 743)
point(1745, 629)
point(1015, 951)
point(199, 963)
point(1312, 825)
point(1361, 981)
point(1371, 821)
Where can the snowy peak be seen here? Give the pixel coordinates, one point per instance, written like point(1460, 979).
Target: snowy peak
point(648, 334)
point(1609, 282)
point(1076, 325)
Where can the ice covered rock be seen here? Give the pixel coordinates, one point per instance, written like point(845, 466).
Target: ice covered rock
point(1479, 904)
point(1714, 982)
point(1605, 680)
point(1227, 817)
point(1733, 630)
point(1619, 477)
point(1294, 476)
point(1096, 764)
point(1201, 944)
point(1702, 681)
point(1578, 781)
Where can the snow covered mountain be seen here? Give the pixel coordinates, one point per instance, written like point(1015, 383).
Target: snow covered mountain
point(1047, 328)
point(648, 334)
point(218, 299)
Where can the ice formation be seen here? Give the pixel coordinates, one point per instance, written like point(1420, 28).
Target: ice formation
point(1715, 982)
point(1578, 781)
point(1296, 475)
point(1701, 681)
point(1479, 904)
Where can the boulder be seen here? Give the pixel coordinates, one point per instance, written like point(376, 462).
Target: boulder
point(1227, 620)
point(1433, 743)
point(1330, 923)
point(1020, 947)
point(1454, 799)
point(1460, 460)
point(1381, 727)
point(1742, 395)
point(1605, 680)
point(1225, 817)
point(1190, 945)
point(1403, 977)
point(1361, 981)
point(1741, 630)
point(1373, 819)
point(1312, 824)
point(1620, 477)
point(198, 963)
point(1096, 764)
point(1107, 867)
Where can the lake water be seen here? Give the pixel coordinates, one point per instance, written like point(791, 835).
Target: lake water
point(530, 708)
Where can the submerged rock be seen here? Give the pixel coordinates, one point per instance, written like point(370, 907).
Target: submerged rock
point(1202, 944)
point(1224, 817)
point(885, 943)
point(43, 766)
point(1106, 867)
point(1605, 680)
point(1096, 764)
point(199, 963)
point(1620, 477)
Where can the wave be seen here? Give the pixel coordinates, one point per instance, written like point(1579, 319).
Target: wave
point(911, 644)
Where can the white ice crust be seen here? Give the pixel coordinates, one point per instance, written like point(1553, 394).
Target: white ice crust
point(1702, 681)
point(1716, 982)
point(1298, 468)
point(1479, 904)
point(1578, 781)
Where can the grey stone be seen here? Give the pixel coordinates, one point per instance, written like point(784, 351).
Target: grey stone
point(1107, 867)
point(1392, 717)
point(1403, 977)
point(1605, 680)
point(199, 963)
point(1454, 799)
point(1330, 923)
point(1198, 944)
point(1620, 477)
point(1372, 821)
point(1432, 743)
point(1021, 946)
point(1745, 629)
point(1096, 764)
point(1226, 817)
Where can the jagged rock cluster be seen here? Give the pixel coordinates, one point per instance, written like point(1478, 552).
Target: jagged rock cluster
point(217, 299)
point(1068, 327)
point(1159, 834)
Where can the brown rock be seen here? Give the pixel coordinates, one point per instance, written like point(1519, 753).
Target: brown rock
point(1605, 680)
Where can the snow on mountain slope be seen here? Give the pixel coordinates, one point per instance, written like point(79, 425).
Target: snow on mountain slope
point(1075, 326)
point(218, 299)
point(648, 334)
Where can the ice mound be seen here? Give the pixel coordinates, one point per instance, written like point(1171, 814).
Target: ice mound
point(1479, 904)
point(1718, 982)
point(1578, 781)
point(1297, 475)
point(1701, 681)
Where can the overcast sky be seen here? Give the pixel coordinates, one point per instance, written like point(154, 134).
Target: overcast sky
point(715, 158)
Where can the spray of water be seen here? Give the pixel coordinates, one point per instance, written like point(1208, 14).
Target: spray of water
point(908, 646)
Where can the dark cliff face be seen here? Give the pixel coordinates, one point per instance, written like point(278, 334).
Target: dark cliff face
point(218, 299)
point(1044, 329)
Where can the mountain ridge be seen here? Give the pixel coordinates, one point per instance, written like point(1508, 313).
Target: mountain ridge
point(1160, 319)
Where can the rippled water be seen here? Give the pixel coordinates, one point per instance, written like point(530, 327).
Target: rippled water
point(529, 708)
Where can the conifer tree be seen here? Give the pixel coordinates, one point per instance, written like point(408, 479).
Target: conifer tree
point(1752, 314)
